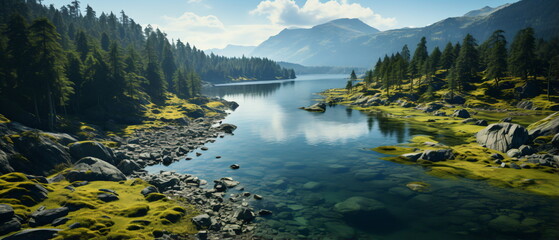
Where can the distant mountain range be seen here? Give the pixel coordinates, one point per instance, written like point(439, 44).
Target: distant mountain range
point(232, 51)
point(350, 42)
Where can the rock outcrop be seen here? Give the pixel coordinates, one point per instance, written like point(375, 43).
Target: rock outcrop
point(94, 149)
point(545, 127)
point(94, 169)
point(502, 136)
point(317, 107)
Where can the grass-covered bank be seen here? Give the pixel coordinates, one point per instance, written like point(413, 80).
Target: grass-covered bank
point(438, 129)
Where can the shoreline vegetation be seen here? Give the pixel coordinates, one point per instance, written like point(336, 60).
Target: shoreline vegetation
point(481, 112)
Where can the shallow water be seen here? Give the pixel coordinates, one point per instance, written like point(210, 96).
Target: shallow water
point(304, 163)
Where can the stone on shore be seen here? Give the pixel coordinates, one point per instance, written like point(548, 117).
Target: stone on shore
point(502, 136)
point(437, 155)
point(317, 107)
point(94, 149)
point(94, 169)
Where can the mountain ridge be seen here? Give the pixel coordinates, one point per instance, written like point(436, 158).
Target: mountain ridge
point(311, 47)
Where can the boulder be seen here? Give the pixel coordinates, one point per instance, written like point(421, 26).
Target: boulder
point(62, 138)
point(5, 166)
point(107, 197)
point(513, 153)
point(6, 212)
point(461, 113)
point(39, 154)
point(456, 99)
point(437, 155)
point(94, 169)
point(128, 166)
point(526, 150)
point(202, 221)
point(149, 189)
point(481, 123)
point(244, 214)
point(47, 216)
point(545, 127)
point(502, 136)
point(318, 107)
point(34, 234)
point(528, 105)
point(470, 120)
point(227, 128)
point(412, 156)
point(430, 107)
point(164, 182)
point(10, 225)
point(94, 149)
point(555, 140)
point(543, 159)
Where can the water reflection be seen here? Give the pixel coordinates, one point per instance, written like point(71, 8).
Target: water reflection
point(304, 164)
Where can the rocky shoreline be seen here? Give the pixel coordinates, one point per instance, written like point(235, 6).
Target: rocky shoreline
point(222, 216)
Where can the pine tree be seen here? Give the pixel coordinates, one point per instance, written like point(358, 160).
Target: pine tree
point(117, 74)
point(369, 77)
point(168, 65)
point(497, 58)
point(49, 82)
point(467, 62)
point(420, 55)
point(82, 45)
point(447, 57)
point(353, 76)
point(105, 42)
point(405, 53)
point(522, 57)
point(19, 56)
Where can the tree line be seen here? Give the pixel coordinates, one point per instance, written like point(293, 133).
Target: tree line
point(56, 61)
point(463, 64)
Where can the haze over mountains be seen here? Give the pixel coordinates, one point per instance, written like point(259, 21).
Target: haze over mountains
point(350, 42)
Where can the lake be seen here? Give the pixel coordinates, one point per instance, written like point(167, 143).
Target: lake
point(318, 175)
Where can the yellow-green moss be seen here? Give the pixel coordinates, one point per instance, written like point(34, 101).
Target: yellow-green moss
point(4, 119)
point(393, 150)
point(101, 220)
point(155, 196)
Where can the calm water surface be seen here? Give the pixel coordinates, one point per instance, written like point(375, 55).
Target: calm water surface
point(304, 163)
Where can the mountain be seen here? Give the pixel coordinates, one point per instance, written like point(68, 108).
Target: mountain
point(300, 69)
point(232, 51)
point(484, 11)
point(314, 46)
point(346, 42)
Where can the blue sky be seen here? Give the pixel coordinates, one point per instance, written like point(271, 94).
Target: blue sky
point(216, 23)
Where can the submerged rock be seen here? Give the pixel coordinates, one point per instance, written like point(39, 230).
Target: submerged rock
point(418, 186)
point(358, 205)
point(502, 136)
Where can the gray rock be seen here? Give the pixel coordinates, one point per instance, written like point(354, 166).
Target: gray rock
point(430, 107)
point(502, 136)
point(60, 221)
point(318, 107)
point(6, 212)
point(497, 156)
point(507, 119)
point(545, 127)
point(167, 160)
point(42, 153)
point(10, 225)
point(528, 105)
point(461, 113)
point(107, 197)
point(481, 123)
point(514, 153)
point(244, 214)
point(439, 113)
point(543, 159)
point(62, 138)
point(94, 149)
point(34, 234)
point(264, 212)
point(5, 166)
point(412, 156)
point(128, 166)
point(164, 182)
point(94, 169)
point(437, 155)
point(149, 189)
point(47, 216)
point(470, 120)
point(232, 230)
point(526, 150)
point(227, 128)
point(202, 221)
point(555, 140)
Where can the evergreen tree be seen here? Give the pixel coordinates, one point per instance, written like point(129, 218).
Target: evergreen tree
point(447, 57)
point(49, 82)
point(19, 56)
point(369, 77)
point(105, 42)
point(353, 76)
point(117, 74)
point(168, 65)
point(522, 57)
point(74, 73)
point(405, 53)
point(349, 85)
point(82, 45)
point(420, 55)
point(467, 62)
point(497, 58)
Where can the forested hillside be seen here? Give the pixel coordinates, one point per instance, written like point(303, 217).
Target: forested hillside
point(55, 61)
point(488, 71)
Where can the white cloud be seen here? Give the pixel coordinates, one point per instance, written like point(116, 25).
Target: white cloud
point(194, 1)
point(313, 12)
point(209, 32)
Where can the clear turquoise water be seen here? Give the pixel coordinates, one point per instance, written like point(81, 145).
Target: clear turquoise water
point(303, 163)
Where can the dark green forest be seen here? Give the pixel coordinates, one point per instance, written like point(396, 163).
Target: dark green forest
point(460, 66)
point(62, 61)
